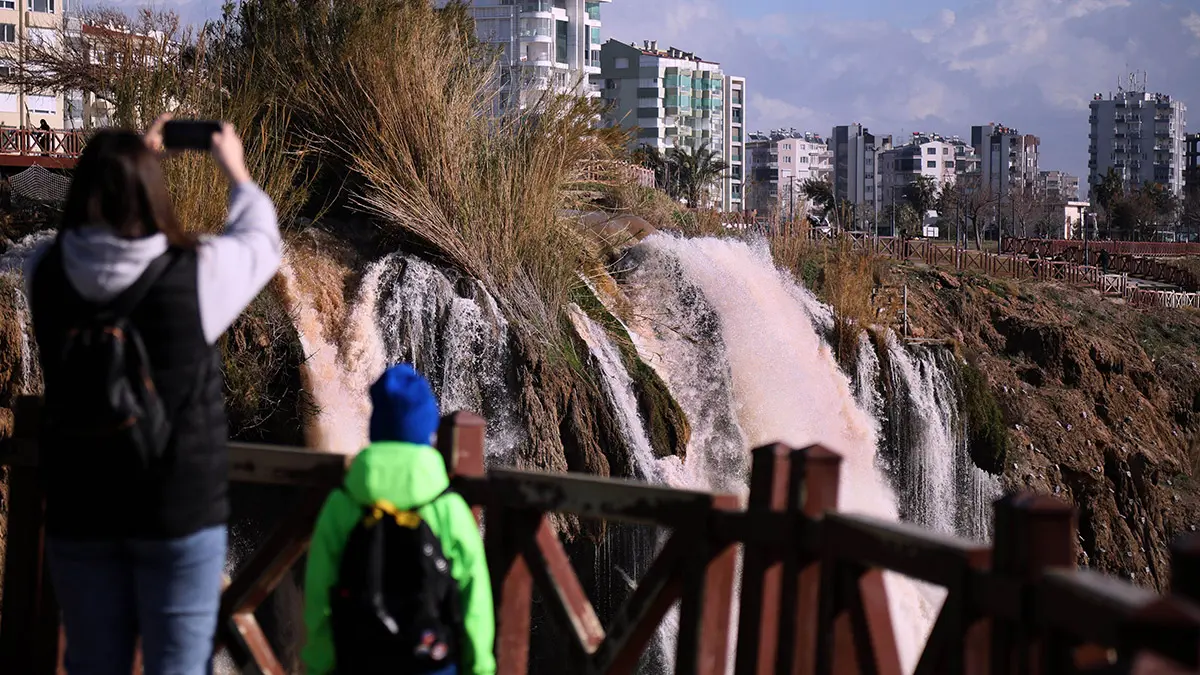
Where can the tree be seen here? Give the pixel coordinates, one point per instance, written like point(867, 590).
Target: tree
point(1025, 208)
point(697, 171)
point(136, 66)
point(922, 195)
point(971, 199)
point(820, 194)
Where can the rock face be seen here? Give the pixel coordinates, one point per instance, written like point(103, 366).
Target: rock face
point(1101, 401)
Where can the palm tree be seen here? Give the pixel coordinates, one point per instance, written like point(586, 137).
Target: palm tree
point(696, 172)
point(922, 194)
point(820, 193)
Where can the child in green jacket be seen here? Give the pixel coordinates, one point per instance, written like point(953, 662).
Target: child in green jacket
point(400, 468)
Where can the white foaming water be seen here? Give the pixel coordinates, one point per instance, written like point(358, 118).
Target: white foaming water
point(942, 487)
point(338, 382)
point(618, 387)
point(12, 263)
point(720, 313)
point(452, 331)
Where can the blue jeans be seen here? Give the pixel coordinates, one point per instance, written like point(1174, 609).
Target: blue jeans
point(168, 591)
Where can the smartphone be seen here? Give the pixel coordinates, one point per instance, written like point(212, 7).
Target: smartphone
point(189, 134)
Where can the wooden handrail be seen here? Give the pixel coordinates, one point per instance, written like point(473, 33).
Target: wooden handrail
point(812, 595)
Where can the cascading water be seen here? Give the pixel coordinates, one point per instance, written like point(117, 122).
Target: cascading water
point(927, 443)
point(12, 263)
point(737, 342)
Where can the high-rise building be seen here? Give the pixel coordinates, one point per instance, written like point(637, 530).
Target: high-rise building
point(779, 164)
point(669, 98)
point(544, 45)
point(1139, 135)
point(735, 143)
point(856, 168)
point(1008, 160)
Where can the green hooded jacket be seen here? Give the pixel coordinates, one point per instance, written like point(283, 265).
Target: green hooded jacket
point(405, 475)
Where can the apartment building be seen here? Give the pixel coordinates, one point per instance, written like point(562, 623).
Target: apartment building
point(733, 192)
point(1139, 134)
point(669, 98)
point(1058, 186)
point(21, 22)
point(779, 164)
point(940, 158)
point(545, 45)
point(1008, 159)
point(856, 166)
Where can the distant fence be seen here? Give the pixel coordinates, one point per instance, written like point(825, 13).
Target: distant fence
point(1146, 249)
point(1013, 266)
point(611, 171)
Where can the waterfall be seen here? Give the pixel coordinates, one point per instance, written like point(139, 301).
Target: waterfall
point(737, 342)
point(618, 389)
point(927, 443)
point(12, 264)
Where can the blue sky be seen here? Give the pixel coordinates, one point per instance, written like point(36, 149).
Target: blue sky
point(900, 66)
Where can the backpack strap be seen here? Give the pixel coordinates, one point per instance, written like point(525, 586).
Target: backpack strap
point(371, 507)
point(128, 300)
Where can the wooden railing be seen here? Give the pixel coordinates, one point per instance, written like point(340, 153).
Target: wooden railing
point(35, 142)
point(1144, 249)
point(812, 593)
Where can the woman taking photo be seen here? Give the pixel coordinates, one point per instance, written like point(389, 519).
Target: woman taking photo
point(127, 308)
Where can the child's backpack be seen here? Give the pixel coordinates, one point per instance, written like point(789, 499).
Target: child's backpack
point(395, 607)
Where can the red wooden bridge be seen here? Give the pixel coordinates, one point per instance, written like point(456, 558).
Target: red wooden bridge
point(54, 149)
point(812, 594)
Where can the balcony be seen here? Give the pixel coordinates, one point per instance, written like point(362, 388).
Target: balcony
point(537, 7)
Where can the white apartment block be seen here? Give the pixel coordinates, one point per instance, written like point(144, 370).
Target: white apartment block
point(1008, 159)
point(941, 159)
point(22, 21)
point(735, 143)
point(1140, 135)
point(1058, 186)
point(856, 167)
point(669, 98)
point(779, 164)
point(545, 45)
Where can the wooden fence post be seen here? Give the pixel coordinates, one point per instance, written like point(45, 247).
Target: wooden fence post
point(758, 624)
point(1032, 533)
point(814, 477)
point(718, 594)
point(29, 630)
point(1185, 567)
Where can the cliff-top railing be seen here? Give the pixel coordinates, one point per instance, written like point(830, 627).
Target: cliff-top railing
point(54, 149)
point(812, 593)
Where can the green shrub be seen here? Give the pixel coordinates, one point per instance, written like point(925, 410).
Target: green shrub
point(987, 433)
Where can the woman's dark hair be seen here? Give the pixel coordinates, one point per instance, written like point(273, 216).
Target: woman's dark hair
point(119, 182)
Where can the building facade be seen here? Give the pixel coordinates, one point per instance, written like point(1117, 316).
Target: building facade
point(733, 193)
point(1139, 135)
point(779, 164)
point(545, 45)
point(21, 22)
point(1058, 186)
point(939, 158)
point(856, 166)
point(669, 98)
point(1008, 159)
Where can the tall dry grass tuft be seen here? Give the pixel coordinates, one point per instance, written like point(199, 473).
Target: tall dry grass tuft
point(847, 285)
point(411, 94)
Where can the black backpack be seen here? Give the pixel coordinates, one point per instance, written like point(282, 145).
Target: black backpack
point(396, 608)
point(100, 389)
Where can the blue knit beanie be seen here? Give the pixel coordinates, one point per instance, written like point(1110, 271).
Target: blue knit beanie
point(404, 408)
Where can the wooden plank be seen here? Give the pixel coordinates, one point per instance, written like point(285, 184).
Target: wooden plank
point(1087, 604)
point(719, 586)
point(816, 496)
point(276, 465)
point(591, 497)
point(512, 585)
point(569, 605)
point(904, 547)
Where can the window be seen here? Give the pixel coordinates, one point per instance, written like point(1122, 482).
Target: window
point(945, 151)
point(43, 37)
point(931, 151)
point(560, 43)
point(948, 165)
point(621, 63)
point(736, 172)
point(46, 6)
point(737, 96)
point(931, 165)
point(787, 160)
point(8, 32)
point(46, 105)
point(8, 4)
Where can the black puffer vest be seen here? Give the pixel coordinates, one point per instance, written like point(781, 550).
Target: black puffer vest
point(86, 497)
